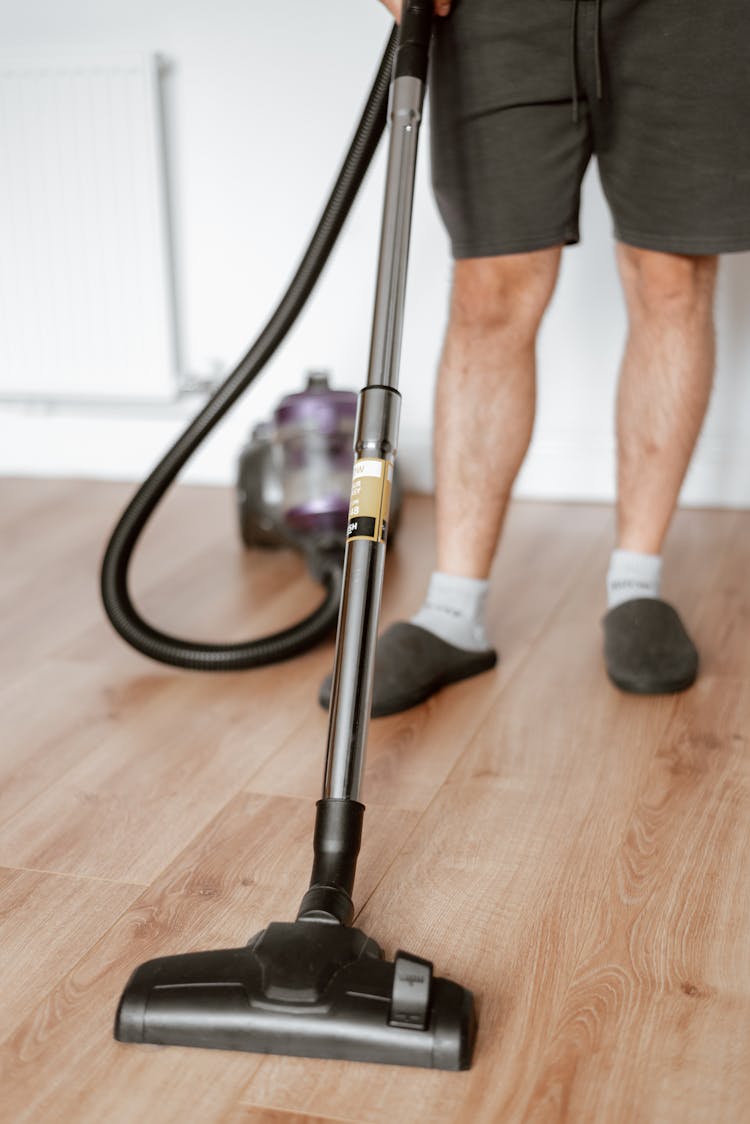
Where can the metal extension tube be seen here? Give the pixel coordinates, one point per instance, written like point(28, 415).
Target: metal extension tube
point(376, 436)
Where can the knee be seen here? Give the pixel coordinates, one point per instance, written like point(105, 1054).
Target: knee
point(505, 295)
point(667, 285)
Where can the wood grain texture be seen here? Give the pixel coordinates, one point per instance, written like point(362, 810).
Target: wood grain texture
point(138, 797)
point(247, 1114)
point(513, 855)
point(661, 983)
point(247, 867)
point(46, 923)
point(579, 857)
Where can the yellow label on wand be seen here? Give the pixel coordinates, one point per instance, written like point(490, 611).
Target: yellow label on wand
point(370, 500)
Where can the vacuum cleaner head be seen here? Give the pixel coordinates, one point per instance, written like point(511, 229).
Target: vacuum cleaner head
point(308, 988)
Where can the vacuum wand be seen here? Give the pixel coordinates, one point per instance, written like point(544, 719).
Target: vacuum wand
point(375, 445)
point(339, 814)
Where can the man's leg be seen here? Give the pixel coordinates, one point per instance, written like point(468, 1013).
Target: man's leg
point(665, 384)
point(484, 411)
point(507, 165)
point(484, 417)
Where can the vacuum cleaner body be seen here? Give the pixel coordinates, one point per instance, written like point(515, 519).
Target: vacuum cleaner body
point(294, 474)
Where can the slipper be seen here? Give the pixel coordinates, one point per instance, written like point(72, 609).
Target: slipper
point(411, 664)
point(647, 649)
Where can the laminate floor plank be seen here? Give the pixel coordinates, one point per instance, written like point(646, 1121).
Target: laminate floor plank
point(53, 606)
point(47, 923)
point(50, 546)
point(496, 884)
point(577, 856)
point(76, 764)
point(655, 1021)
point(247, 1114)
point(26, 500)
point(134, 801)
point(82, 735)
point(510, 861)
point(248, 867)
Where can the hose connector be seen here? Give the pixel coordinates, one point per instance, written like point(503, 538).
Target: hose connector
point(413, 48)
point(338, 833)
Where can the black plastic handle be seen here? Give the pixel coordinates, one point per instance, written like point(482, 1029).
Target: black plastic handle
point(413, 48)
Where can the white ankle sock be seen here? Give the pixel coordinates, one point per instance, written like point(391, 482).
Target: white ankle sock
point(454, 611)
point(632, 575)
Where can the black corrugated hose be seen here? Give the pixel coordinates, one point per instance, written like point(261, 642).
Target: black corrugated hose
point(114, 576)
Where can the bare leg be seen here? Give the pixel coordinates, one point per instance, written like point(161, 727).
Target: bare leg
point(664, 389)
point(484, 417)
point(485, 400)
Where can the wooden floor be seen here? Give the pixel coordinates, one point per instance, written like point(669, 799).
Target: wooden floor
point(579, 858)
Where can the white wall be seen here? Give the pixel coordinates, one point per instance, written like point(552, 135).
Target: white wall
point(260, 100)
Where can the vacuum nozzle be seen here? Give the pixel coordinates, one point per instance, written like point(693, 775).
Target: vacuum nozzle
point(306, 988)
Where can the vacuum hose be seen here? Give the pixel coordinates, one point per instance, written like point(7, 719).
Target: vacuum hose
point(114, 575)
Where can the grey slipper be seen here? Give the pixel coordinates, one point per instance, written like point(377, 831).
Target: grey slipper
point(647, 649)
point(411, 664)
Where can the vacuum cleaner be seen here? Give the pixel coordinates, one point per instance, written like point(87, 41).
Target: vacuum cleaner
point(316, 986)
point(295, 474)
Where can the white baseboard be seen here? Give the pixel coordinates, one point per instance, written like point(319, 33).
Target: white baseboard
point(104, 444)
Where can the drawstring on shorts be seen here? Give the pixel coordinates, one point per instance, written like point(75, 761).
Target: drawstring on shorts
point(575, 95)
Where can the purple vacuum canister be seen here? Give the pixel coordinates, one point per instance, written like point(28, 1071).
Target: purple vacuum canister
point(315, 430)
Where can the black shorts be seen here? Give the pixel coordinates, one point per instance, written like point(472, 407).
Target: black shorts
point(669, 124)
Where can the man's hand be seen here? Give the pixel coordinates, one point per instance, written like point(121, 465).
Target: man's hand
point(442, 8)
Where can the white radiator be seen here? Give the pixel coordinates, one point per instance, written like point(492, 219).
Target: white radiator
point(86, 293)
